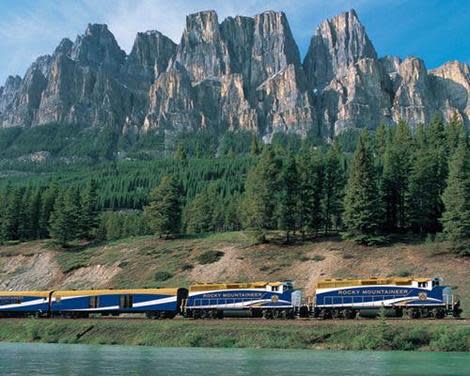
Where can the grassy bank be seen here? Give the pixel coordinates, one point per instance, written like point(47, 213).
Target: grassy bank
point(357, 335)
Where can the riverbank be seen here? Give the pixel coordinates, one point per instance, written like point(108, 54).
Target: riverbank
point(298, 334)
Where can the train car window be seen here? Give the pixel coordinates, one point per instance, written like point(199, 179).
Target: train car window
point(274, 288)
point(94, 302)
point(422, 284)
point(125, 301)
point(5, 300)
point(435, 283)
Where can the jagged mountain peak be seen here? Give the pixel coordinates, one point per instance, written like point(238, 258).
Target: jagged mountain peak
point(98, 47)
point(242, 73)
point(337, 43)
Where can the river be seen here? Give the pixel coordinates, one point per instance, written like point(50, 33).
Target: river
point(57, 359)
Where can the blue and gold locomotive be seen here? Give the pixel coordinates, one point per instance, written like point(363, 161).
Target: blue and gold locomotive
point(415, 297)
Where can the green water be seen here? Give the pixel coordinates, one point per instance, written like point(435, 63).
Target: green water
point(54, 359)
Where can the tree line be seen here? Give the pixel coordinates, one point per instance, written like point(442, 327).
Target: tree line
point(398, 180)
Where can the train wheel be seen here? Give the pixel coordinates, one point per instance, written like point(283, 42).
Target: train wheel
point(325, 314)
point(438, 313)
point(267, 314)
point(413, 313)
point(349, 314)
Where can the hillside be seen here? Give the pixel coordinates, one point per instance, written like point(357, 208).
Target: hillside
point(150, 261)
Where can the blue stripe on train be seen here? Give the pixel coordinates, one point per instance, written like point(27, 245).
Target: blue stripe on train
point(24, 304)
point(371, 294)
point(224, 299)
point(111, 302)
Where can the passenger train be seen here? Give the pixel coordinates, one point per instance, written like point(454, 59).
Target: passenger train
point(333, 299)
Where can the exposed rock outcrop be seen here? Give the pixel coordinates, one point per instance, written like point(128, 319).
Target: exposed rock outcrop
point(337, 44)
point(242, 74)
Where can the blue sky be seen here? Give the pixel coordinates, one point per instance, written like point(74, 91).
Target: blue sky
point(435, 30)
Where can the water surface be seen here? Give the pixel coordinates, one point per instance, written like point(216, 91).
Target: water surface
point(57, 359)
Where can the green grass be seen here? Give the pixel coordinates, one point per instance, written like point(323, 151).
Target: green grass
point(243, 334)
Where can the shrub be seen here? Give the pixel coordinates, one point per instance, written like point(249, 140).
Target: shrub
point(318, 258)
point(162, 275)
point(450, 340)
point(209, 257)
point(403, 273)
point(185, 267)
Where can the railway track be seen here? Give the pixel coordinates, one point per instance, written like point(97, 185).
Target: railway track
point(264, 322)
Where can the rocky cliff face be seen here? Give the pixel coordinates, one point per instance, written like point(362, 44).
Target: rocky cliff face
point(243, 73)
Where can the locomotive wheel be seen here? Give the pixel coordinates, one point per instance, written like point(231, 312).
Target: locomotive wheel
point(438, 313)
point(349, 314)
point(267, 314)
point(413, 313)
point(325, 314)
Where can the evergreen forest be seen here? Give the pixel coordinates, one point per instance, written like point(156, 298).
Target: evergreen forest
point(368, 186)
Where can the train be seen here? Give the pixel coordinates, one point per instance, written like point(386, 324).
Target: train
point(333, 299)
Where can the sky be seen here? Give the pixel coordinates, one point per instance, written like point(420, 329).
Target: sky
point(435, 30)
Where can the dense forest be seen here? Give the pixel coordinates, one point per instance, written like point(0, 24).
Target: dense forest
point(365, 186)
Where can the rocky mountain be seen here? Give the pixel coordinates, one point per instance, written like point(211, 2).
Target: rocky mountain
point(242, 73)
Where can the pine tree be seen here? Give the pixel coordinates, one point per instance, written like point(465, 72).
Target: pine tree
point(456, 198)
point(64, 223)
point(334, 182)
point(180, 154)
point(362, 209)
point(48, 200)
point(32, 214)
point(422, 192)
point(261, 193)
point(12, 214)
point(311, 185)
point(201, 210)
point(439, 155)
point(395, 181)
point(254, 148)
point(89, 218)
point(288, 213)
point(454, 128)
point(164, 209)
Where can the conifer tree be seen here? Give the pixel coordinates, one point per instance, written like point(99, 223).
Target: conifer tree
point(422, 192)
point(32, 214)
point(200, 213)
point(261, 193)
point(12, 214)
point(334, 182)
point(439, 155)
point(47, 206)
point(362, 207)
point(456, 198)
point(288, 213)
point(164, 208)
point(64, 223)
point(311, 185)
point(454, 128)
point(395, 181)
point(254, 148)
point(180, 154)
point(89, 218)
